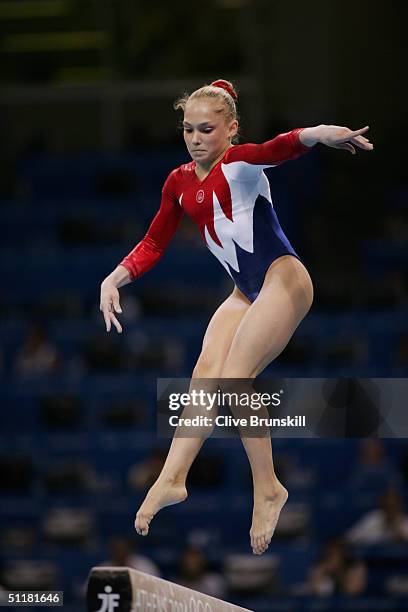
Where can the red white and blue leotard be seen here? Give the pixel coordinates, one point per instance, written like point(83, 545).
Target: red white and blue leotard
point(232, 207)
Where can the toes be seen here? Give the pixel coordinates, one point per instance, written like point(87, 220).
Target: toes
point(143, 531)
point(266, 546)
point(260, 544)
point(256, 544)
point(138, 526)
point(141, 525)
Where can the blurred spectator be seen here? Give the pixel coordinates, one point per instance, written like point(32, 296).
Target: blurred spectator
point(126, 412)
point(38, 355)
point(174, 354)
point(61, 410)
point(354, 579)
point(176, 299)
point(194, 574)
point(69, 476)
point(101, 353)
point(30, 574)
point(149, 352)
point(346, 350)
point(122, 554)
point(207, 471)
point(373, 471)
point(18, 539)
point(337, 572)
point(397, 585)
point(387, 524)
point(386, 291)
point(66, 525)
point(248, 574)
point(57, 306)
point(144, 474)
point(294, 470)
point(132, 309)
point(297, 353)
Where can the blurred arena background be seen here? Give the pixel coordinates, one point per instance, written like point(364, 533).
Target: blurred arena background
point(88, 135)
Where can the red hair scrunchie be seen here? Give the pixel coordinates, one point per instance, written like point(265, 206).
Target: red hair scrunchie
point(226, 86)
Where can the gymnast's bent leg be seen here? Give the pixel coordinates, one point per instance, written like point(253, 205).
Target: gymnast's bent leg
point(264, 331)
point(170, 487)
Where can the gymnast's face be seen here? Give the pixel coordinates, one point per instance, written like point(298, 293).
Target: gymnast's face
point(207, 133)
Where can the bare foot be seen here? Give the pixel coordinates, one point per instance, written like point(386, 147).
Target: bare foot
point(161, 494)
point(265, 516)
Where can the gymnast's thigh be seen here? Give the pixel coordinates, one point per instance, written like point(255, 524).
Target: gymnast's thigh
point(219, 335)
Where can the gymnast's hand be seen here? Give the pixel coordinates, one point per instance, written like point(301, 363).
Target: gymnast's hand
point(337, 137)
point(110, 304)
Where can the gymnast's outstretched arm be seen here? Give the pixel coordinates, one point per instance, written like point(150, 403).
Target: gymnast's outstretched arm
point(337, 137)
point(144, 255)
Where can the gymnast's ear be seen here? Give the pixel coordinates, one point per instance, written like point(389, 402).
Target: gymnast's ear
point(233, 128)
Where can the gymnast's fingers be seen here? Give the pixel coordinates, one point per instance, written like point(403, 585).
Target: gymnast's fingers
point(116, 304)
point(347, 147)
point(105, 311)
point(358, 132)
point(115, 322)
point(362, 142)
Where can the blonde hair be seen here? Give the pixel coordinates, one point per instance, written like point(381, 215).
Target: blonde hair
point(221, 91)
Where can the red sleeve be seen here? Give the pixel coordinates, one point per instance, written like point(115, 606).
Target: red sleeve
point(163, 227)
point(282, 148)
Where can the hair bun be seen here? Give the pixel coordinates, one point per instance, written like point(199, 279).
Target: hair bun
point(227, 86)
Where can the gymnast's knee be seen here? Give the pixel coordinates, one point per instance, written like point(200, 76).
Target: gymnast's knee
point(206, 367)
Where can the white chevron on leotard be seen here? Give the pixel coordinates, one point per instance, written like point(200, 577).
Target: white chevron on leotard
point(245, 186)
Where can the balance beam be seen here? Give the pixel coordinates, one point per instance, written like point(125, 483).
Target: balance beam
point(121, 589)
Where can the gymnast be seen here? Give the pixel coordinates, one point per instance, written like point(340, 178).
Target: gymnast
point(224, 190)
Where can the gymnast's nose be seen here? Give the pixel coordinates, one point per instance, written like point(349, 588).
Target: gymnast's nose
point(196, 139)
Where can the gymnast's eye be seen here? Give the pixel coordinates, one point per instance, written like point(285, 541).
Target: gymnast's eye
point(206, 130)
